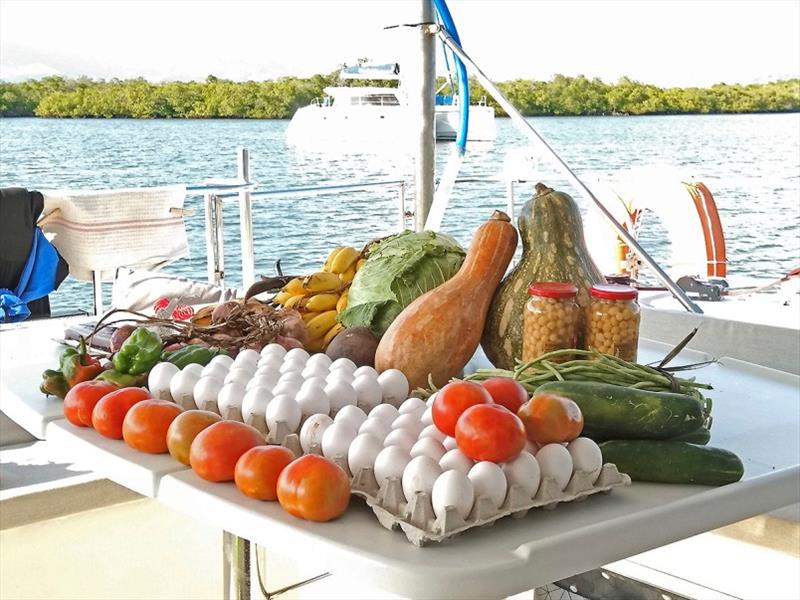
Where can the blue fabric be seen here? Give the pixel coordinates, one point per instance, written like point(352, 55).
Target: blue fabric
point(38, 279)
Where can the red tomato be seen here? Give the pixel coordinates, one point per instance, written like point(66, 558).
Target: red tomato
point(314, 488)
point(257, 470)
point(80, 400)
point(452, 400)
point(490, 432)
point(109, 413)
point(550, 418)
point(145, 426)
point(506, 392)
point(216, 449)
point(184, 429)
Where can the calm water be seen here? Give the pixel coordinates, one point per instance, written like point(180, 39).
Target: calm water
point(750, 162)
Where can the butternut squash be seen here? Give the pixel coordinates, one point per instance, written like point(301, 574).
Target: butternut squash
point(439, 332)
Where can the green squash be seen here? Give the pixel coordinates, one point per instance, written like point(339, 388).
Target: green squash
point(553, 249)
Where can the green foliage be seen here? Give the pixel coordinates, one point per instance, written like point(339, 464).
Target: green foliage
point(279, 99)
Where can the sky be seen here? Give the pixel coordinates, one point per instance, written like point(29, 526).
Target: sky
point(667, 43)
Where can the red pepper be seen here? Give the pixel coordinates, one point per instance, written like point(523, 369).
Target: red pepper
point(79, 366)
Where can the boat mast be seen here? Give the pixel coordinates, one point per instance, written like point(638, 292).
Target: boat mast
point(425, 163)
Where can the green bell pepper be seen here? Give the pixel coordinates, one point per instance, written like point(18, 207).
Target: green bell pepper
point(54, 384)
point(140, 352)
point(192, 354)
point(121, 379)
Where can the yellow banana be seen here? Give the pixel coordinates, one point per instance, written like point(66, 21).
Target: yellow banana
point(294, 287)
point(282, 297)
point(332, 333)
point(314, 345)
point(322, 302)
point(331, 256)
point(319, 325)
point(308, 316)
point(360, 263)
point(343, 259)
point(342, 303)
point(294, 301)
point(348, 275)
point(322, 282)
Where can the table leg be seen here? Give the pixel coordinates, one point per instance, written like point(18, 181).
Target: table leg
point(235, 567)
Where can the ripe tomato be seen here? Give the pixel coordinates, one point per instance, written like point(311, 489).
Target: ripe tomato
point(110, 411)
point(506, 392)
point(216, 449)
point(452, 400)
point(550, 418)
point(490, 432)
point(314, 488)
point(145, 426)
point(80, 400)
point(184, 429)
point(257, 470)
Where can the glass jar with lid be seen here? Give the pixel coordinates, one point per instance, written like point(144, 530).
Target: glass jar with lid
point(552, 319)
point(612, 321)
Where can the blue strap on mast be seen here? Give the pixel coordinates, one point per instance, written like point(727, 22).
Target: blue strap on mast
point(463, 81)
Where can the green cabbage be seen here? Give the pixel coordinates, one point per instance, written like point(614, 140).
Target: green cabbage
point(398, 270)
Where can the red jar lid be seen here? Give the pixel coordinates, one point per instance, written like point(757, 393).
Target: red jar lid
point(553, 289)
point(614, 291)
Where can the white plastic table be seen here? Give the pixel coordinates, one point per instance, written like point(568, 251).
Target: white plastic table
point(756, 414)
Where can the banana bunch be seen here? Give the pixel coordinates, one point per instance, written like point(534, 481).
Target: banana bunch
point(321, 296)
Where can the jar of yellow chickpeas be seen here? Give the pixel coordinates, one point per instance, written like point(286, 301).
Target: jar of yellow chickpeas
point(612, 321)
point(552, 319)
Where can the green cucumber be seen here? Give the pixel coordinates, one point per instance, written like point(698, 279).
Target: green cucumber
point(701, 437)
point(673, 462)
point(614, 412)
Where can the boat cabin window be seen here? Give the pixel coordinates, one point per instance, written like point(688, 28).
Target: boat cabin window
point(376, 100)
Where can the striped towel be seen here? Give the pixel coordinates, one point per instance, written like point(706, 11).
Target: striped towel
point(106, 229)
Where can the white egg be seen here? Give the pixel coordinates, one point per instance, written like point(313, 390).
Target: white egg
point(311, 371)
point(194, 368)
point(456, 459)
point(312, 430)
point(414, 406)
point(158, 381)
point(586, 456)
point(427, 417)
point(377, 427)
point(366, 370)
point(337, 439)
point(555, 462)
point(264, 381)
point(255, 402)
point(319, 359)
point(238, 375)
point(313, 400)
point(297, 354)
point(368, 393)
point(273, 350)
point(205, 393)
point(428, 447)
point(222, 359)
point(363, 451)
point(283, 408)
point(524, 471)
point(340, 375)
point(430, 400)
point(286, 388)
point(450, 443)
point(402, 438)
point(292, 366)
point(394, 386)
point(230, 398)
point(247, 355)
point(341, 394)
point(432, 431)
point(419, 476)
point(218, 370)
point(291, 377)
point(351, 414)
point(244, 365)
point(313, 382)
point(410, 422)
point(384, 412)
point(181, 388)
point(273, 363)
point(452, 488)
point(344, 364)
point(390, 462)
point(489, 480)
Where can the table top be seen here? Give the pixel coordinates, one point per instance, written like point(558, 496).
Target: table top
point(756, 414)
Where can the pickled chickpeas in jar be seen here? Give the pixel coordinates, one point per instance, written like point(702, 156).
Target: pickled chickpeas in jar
point(552, 319)
point(612, 321)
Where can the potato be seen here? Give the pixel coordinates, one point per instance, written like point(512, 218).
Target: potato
point(358, 344)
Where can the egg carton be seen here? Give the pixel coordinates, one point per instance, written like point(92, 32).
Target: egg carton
point(420, 524)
